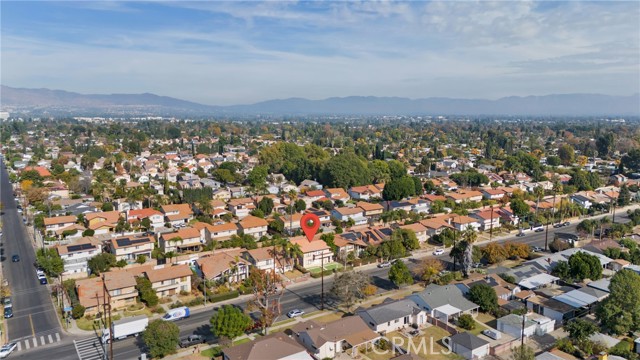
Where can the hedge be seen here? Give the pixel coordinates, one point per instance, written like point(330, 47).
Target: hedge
point(221, 297)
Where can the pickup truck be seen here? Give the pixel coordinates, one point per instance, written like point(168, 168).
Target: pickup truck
point(192, 340)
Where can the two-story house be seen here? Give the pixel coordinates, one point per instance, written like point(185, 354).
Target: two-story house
point(337, 194)
point(156, 218)
point(181, 240)
point(130, 247)
point(254, 226)
point(76, 256)
point(419, 229)
point(241, 207)
point(52, 224)
point(216, 232)
point(177, 214)
point(465, 195)
point(366, 192)
point(266, 259)
point(489, 219)
point(313, 252)
point(102, 222)
point(492, 194)
point(119, 286)
point(371, 211)
point(312, 196)
point(344, 214)
point(169, 280)
point(228, 265)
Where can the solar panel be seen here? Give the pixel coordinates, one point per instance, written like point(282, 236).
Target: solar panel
point(129, 242)
point(80, 247)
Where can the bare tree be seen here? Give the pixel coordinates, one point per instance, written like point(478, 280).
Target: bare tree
point(268, 288)
point(350, 286)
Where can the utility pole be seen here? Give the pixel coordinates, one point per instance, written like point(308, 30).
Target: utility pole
point(322, 282)
point(553, 218)
point(524, 317)
point(107, 306)
point(491, 226)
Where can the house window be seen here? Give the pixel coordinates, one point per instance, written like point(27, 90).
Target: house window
point(116, 292)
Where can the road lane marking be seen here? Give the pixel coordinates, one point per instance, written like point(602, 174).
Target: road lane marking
point(27, 344)
point(19, 345)
point(35, 342)
point(50, 338)
point(33, 330)
point(42, 340)
point(57, 337)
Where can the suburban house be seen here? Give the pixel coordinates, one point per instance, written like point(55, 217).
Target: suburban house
point(263, 259)
point(469, 346)
point(292, 223)
point(534, 324)
point(323, 215)
point(130, 247)
point(348, 242)
point(241, 207)
point(331, 339)
point(76, 256)
point(102, 222)
point(335, 194)
point(392, 315)
point(371, 211)
point(181, 240)
point(435, 226)
point(254, 226)
point(224, 265)
point(489, 219)
point(463, 195)
point(314, 253)
point(177, 214)
point(581, 200)
point(419, 229)
point(216, 232)
point(312, 196)
point(276, 346)
point(444, 302)
point(156, 218)
point(343, 214)
point(492, 194)
point(120, 287)
point(169, 280)
point(366, 192)
point(53, 224)
point(551, 308)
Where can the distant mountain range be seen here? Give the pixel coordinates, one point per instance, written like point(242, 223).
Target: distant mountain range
point(56, 101)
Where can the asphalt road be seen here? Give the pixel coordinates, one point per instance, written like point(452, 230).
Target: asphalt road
point(33, 312)
point(304, 296)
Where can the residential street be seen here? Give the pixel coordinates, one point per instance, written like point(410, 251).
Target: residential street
point(34, 319)
point(304, 296)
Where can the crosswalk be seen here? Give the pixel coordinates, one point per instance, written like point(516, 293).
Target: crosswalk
point(89, 348)
point(40, 339)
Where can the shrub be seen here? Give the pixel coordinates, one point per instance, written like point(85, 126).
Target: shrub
point(221, 297)
point(467, 322)
point(78, 311)
point(565, 345)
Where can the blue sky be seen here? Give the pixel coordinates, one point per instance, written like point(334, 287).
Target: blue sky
point(223, 53)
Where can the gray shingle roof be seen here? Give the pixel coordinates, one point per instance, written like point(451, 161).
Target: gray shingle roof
point(437, 295)
point(468, 340)
point(388, 311)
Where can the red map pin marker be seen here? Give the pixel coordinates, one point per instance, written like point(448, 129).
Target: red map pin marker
point(310, 223)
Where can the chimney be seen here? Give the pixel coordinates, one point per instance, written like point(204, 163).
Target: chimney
point(80, 290)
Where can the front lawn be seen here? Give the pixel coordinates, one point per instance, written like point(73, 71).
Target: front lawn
point(427, 345)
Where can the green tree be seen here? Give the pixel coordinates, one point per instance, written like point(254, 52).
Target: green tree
point(50, 261)
point(467, 322)
point(161, 337)
point(631, 160)
point(257, 177)
point(584, 266)
point(553, 160)
point(485, 296)
point(523, 352)
point(399, 188)
point(397, 169)
point(145, 290)
point(101, 263)
point(620, 312)
point(567, 154)
point(379, 171)
point(520, 208)
point(107, 207)
point(77, 311)
point(399, 274)
point(346, 170)
point(562, 270)
point(580, 329)
point(230, 322)
point(266, 205)
point(141, 259)
point(407, 237)
point(624, 198)
point(604, 143)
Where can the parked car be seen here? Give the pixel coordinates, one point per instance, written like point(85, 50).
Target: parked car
point(7, 302)
point(15, 258)
point(192, 340)
point(384, 264)
point(39, 272)
point(7, 349)
point(295, 313)
point(8, 312)
point(438, 252)
point(558, 225)
point(537, 249)
point(540, 229)
point(43, 280)
point(566, 223)
point(520, 234)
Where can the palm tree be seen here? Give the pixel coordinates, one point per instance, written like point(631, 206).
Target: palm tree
point(470, 236)
point(295, 252)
